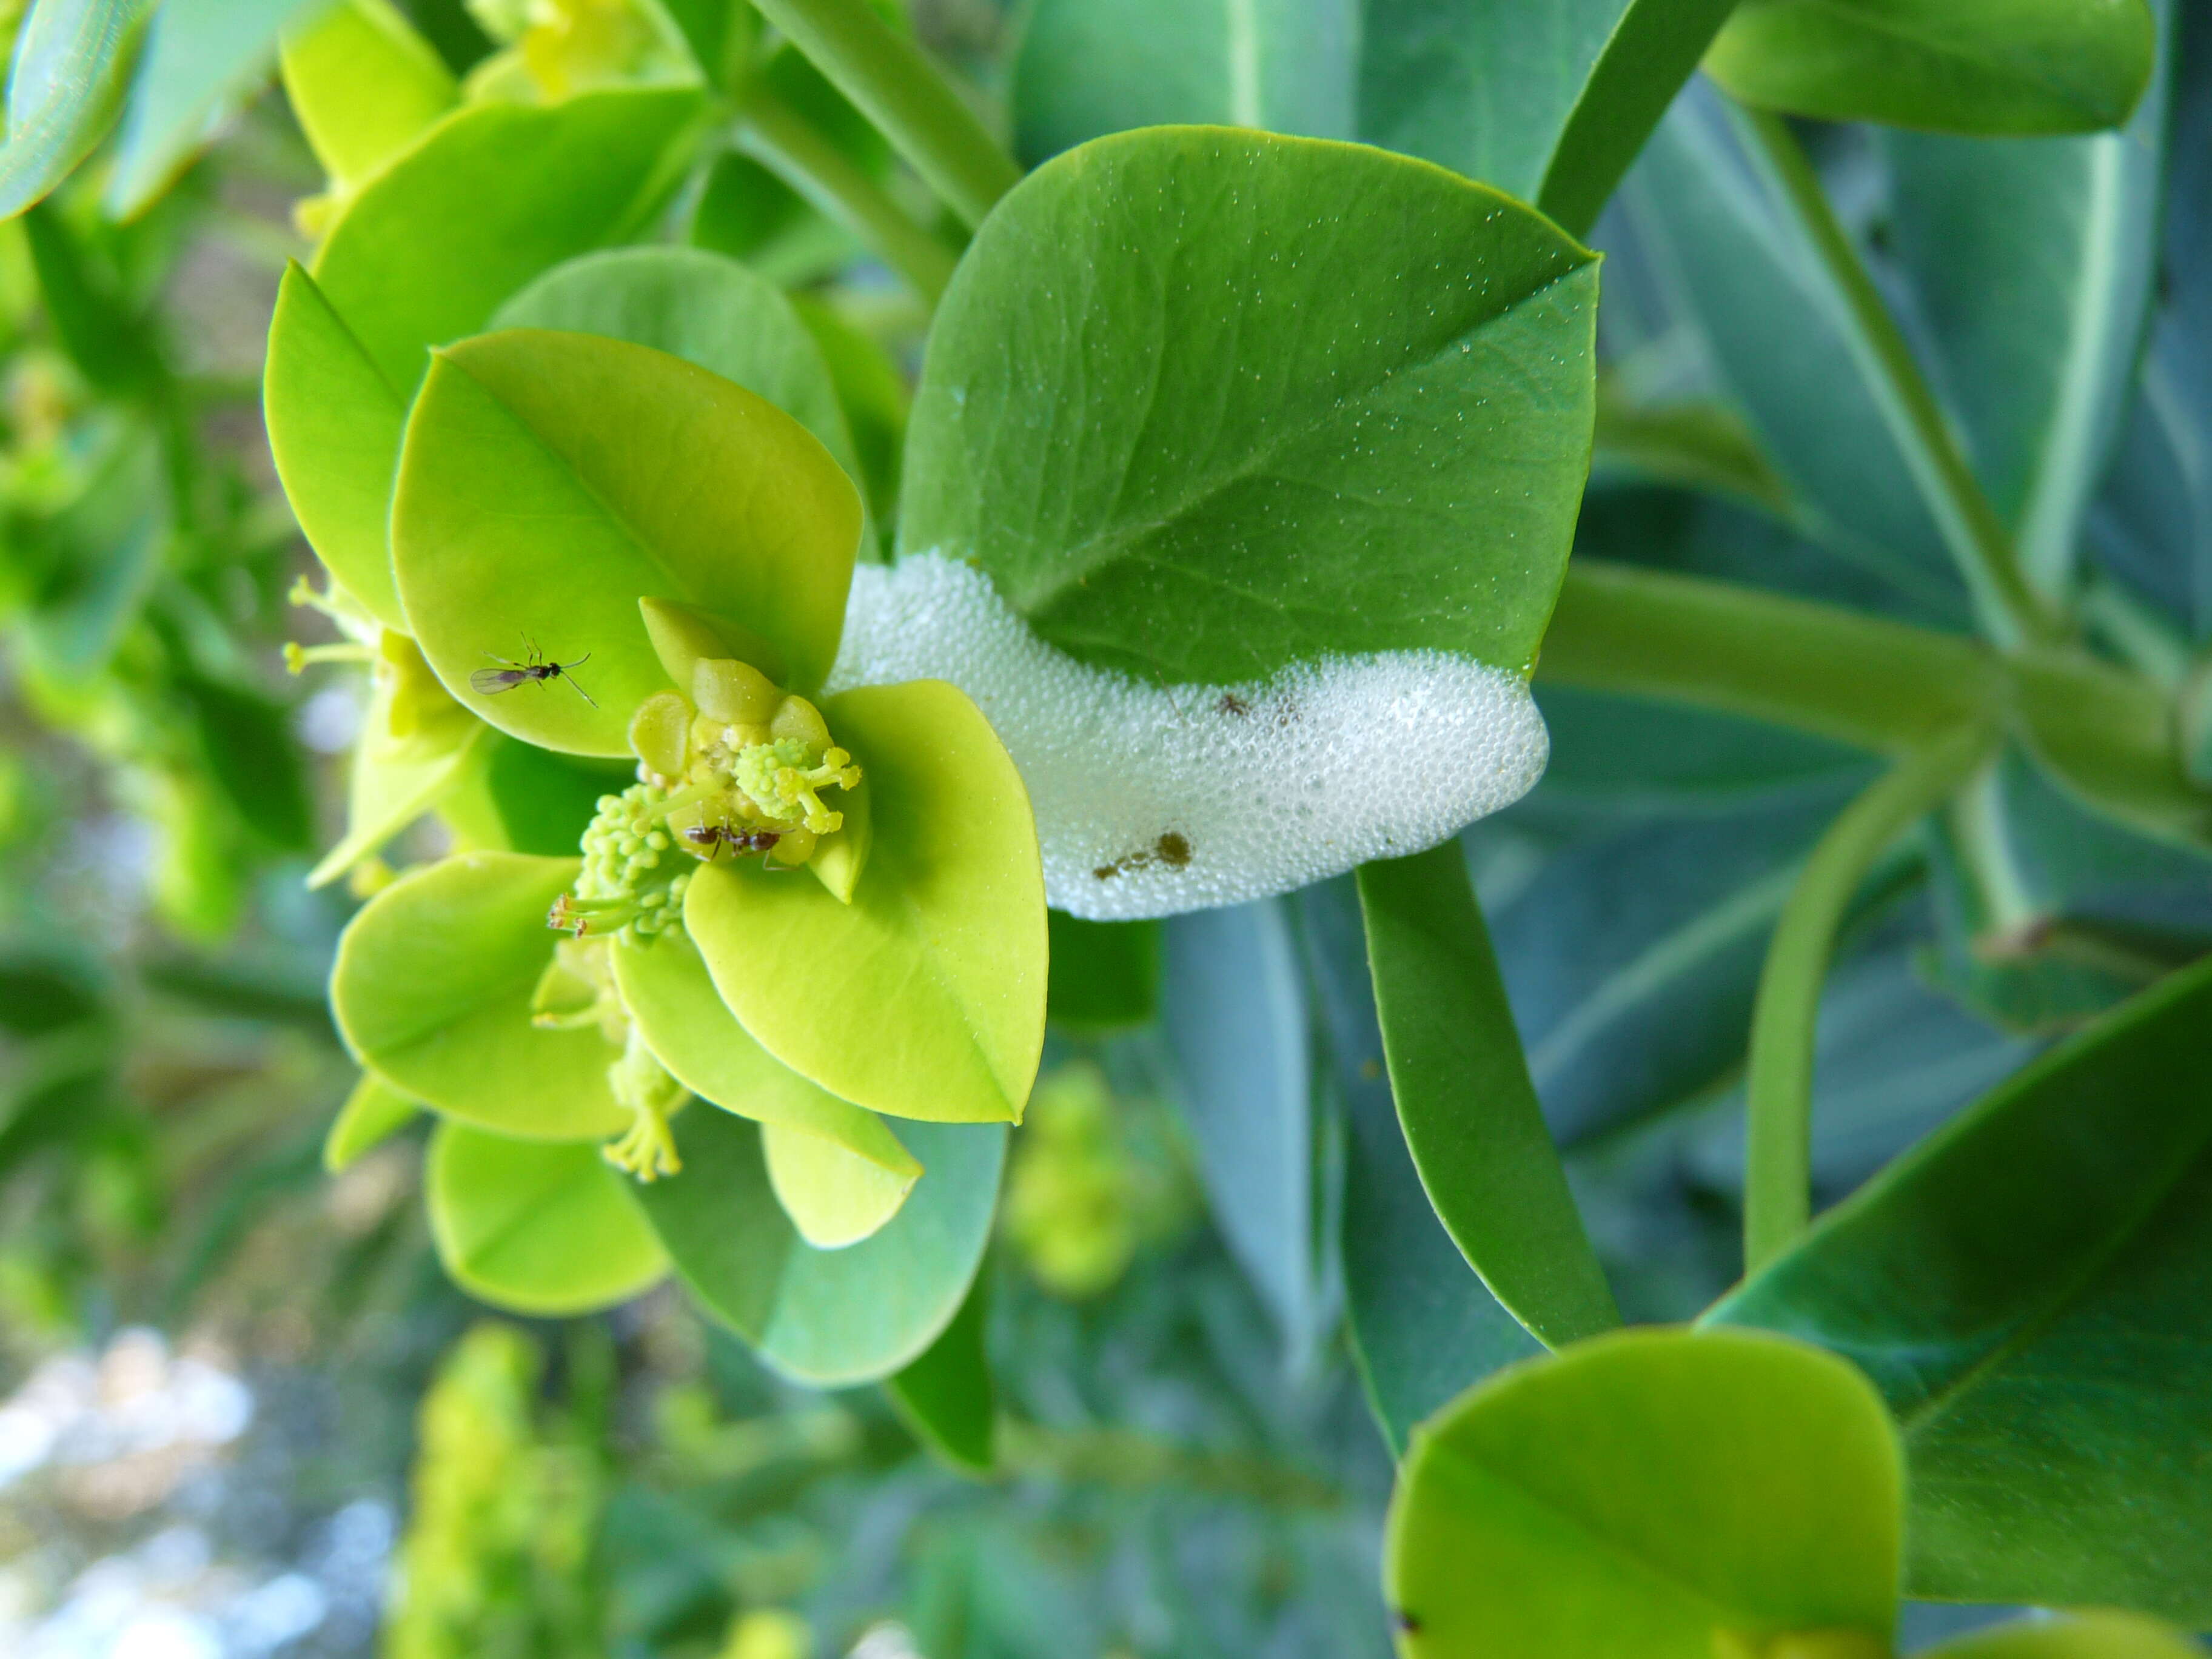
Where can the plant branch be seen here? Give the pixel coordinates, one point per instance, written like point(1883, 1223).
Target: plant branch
point(784, 139)
point(1777, 1177)
point(1879, 685)
point(898, 89)
point(2012, 612)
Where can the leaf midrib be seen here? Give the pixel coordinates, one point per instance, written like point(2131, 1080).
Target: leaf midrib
point(1076, 565)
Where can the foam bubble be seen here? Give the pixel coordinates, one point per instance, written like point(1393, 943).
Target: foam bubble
point(1153, 799)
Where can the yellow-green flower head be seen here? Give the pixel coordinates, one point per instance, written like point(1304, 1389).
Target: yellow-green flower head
point(783, 779)
point(632, 878)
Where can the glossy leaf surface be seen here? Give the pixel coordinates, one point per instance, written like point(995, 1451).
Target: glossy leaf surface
point(537, 1229)
point(2024, 1289)
point(1980, 66)
point(334, 427)
point(1236, 1021)
point(536, 508)
point(72, 61)
point(1644, 1492)
point(925, 996)
point(826, 1318)
point(1550, 103)
point(2073, 1636)
point(1192, 391)
point(1469, 1112)
point(497, 194)
point(666, 989)
point(835, 1197)
point(433, 989)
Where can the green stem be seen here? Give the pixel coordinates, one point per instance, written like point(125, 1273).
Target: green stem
point(783, 138)
point(898, 89)
point(1777, 1179)
point(2012, 612)
point(1879, 685)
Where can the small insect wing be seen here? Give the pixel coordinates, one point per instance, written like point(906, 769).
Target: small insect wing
point(490, 682)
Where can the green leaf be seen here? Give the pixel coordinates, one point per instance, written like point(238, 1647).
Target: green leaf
point(2033, 265)
point(101, 555)
point(104, 331)
point(1104, 975)
point(1645, 1492)
point(2075, 1636)
point(2107, 736)
point(1977, 66)
point(66, 83)
point(1365, 377)
point(1235, 1018)
point(1084, 69)
point(1753, 300)
point(432, 990)
point(873, 395)
point(201, 55)
point(947, 1397)
point(334, 428)
point(494, 195)
point(363, 85)
point(1422, 1325)
point(2025, 1289)
point(549, 482)
point(1469, 1111)
point(826, 1318)
point(834, 1196)
point(373, 1113)
point(925, 996)
point(395, 780)
point(703, 308)
point(666, 989)
point(245, 740)
point(1549, 103)
point(541, 1229)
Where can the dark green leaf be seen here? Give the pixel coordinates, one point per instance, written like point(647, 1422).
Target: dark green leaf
point(247, 741)
point(1423, 1326)
point(1104, 973)
point(1468, 1110)
point(2026, 1289)
point(946, 1396)
point(1192, 388)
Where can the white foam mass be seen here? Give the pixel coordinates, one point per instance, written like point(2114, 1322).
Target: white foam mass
point(1154, 799)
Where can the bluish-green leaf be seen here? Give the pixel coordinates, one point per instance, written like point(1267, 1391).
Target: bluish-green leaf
point(72, 60)
point(2026, 1291)
point(201, 55)
point(1086, 68)
point(1548, 102)
point(1236, 1021)
point(2033, 263)
point(827, 1317)
point(1192, 390)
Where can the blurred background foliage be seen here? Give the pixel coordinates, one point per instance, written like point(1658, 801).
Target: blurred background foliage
point(245, 1413)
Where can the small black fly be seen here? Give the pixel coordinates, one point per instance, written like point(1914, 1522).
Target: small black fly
point(538, 669)
point(716, 836)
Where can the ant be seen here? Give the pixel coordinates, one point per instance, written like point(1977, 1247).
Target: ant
point(490, 682)
point(716, 836)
